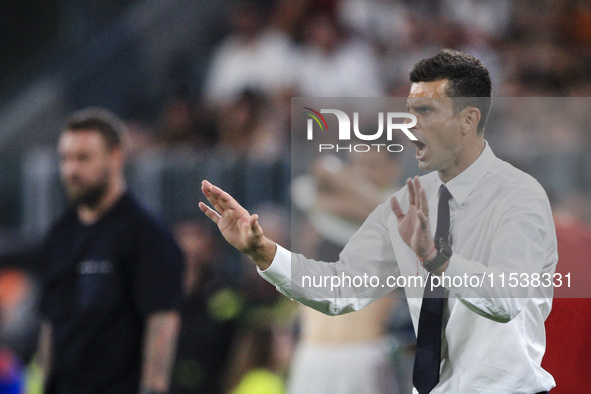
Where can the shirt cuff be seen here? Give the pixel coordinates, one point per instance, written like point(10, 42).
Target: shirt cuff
point(279, 272)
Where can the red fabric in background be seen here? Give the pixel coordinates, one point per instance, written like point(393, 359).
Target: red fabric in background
point(568, 328)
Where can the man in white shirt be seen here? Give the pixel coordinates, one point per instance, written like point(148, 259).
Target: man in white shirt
point(500, 225)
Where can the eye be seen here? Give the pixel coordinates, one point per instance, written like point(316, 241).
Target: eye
point(82, 158)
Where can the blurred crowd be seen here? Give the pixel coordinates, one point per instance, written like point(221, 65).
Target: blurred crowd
point(238, 335)
point(273, 50)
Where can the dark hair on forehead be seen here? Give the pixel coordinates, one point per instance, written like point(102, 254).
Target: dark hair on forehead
point(469, 82)
point(103, 121)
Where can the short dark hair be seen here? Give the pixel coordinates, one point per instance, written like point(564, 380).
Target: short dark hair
point(469, 81)
point(103, 121)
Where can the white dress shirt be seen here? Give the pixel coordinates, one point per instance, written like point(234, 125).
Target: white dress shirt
point(501, 223)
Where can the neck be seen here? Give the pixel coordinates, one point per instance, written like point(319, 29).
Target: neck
point(465, 157)
point(90, 215)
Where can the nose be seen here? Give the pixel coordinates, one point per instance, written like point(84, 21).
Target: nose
point(414, 121)
point(69, 168)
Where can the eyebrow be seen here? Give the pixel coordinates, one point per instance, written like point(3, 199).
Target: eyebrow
point(419, 106)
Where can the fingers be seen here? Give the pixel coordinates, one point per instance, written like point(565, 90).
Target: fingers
point(417, 195)
point(417, 185)
point(424, 205)
point(213, 215)
point(255, 226)
point(411, 191)
point(206, 188)
point(396, 208)
point(224, 199)
point(220, 200)
point(423, 221)
point(216, 194)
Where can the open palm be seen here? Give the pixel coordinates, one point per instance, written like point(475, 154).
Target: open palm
point(413, 225)
point(237, 225)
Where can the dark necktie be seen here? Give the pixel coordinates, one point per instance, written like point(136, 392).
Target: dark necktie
point(428, 357)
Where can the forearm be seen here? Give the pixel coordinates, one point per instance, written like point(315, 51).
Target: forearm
point(328, 287)
point(314, 283)
point(522, 258)
point(160, 341)
point(488, 290)
point(44, 351)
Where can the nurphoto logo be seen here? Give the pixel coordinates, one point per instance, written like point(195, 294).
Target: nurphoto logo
point(394, 121)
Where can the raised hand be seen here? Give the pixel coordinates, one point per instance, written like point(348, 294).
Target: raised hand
point(414, 225)
point(237, 225)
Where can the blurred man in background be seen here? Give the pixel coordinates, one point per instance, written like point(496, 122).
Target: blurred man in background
point(209, 314)
point(112, 274)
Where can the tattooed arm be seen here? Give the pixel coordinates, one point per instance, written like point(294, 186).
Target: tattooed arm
point(44, 349)
point(160, 340)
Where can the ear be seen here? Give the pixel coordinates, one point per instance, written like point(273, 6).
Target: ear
point(118, 156)
point(470, 119)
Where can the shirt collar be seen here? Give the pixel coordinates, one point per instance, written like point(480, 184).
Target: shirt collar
point(461, 185)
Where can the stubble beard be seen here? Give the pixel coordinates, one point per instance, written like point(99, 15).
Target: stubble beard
point(82, 195)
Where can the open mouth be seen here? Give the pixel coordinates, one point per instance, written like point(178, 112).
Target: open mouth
point(421, 147)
